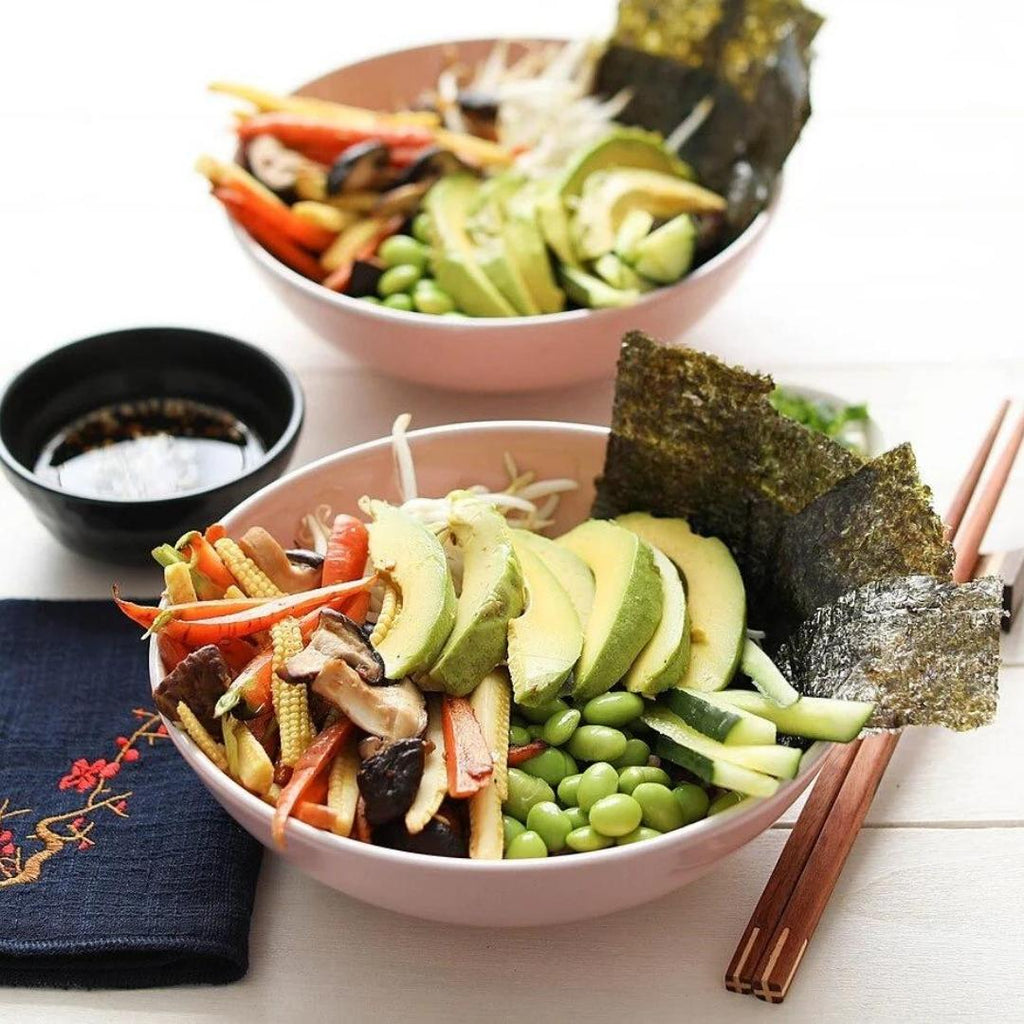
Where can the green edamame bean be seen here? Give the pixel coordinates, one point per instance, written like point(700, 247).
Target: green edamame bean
point(586, 839)
point(511, 828)
point(401, 249)
point(421, 228)
point(636, 753)
point(371, 299)
point(548, 765)
point(638, 835)
point(523, 792)
point(542, 712)
point(577, 818)
point(428, 297)
point(399, 301)
point(551, 823)
point(660, 808)
point(598, 780)
point(615, 815)
point(526, 845)
point(571, 767)
point(617, 708)
point(558, 729)
point(597, 743)
point(693, 801)
point(724, 802)
point(518, 735)
point(536, 731)
point(398, 279)
point(568, 788)
point(630, 778)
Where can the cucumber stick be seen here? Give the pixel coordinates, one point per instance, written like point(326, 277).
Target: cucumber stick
point(814, 718)
point(718, 773)
point(766, 677)
point(730, 725)
point(782, 762)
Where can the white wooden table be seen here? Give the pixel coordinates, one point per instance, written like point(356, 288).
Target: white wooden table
point(891, 276)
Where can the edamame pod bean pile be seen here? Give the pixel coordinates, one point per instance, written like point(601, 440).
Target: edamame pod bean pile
point(593, 783)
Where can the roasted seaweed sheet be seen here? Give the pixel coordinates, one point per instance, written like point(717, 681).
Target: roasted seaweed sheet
point(751, 57)
point(845, 562)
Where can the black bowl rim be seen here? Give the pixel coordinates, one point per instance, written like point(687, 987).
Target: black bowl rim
point(287, 438)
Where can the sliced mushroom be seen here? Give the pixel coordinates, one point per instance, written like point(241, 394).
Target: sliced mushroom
point(388, 781)
point(479, 113)
point(303, 556)
point(274, 164)
point(365, 276)
point(336, 637)
point(361, 167)
point(402, 201)
point(261, 547)
point(440, 837)
point(391, 712)
point(432, 164)
point(199, 680)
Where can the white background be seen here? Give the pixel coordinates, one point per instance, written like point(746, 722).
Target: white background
point(892, 274)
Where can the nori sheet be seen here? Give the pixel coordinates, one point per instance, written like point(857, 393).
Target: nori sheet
point(826, 542)
point(925, 651)
point(751, 56)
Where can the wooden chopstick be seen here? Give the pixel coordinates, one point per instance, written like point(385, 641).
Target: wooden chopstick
point(788, 912)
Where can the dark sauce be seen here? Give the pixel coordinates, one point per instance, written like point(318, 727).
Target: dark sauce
point(149, 449)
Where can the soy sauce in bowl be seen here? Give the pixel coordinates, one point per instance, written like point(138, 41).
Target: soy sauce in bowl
point(148, 449)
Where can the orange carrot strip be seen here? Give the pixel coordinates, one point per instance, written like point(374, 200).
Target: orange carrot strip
point(280, 218)
point(517, 755)
point(465, 750)
point(298, 130)
point(315, 814)
point(316, 758)
point(206, 560)
point(197, 632)
point(214, 532)
point(171, 651)
point(347, 549)
point(276, 243)
point(147, 615)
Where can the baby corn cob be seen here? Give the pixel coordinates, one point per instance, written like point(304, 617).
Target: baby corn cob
point(178, 581)
point(251, 578)
point(291, 700)
point(233, 592)
point(343, 790)
point(388, 610)
point(202, 739)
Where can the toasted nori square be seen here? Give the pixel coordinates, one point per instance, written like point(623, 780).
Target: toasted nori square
point(832, 550)
point(751, 56)
point(925, 651)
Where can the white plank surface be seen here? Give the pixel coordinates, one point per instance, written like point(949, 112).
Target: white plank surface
point(890, 276)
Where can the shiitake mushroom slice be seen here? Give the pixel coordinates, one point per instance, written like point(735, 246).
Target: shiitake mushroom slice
point(361, 167)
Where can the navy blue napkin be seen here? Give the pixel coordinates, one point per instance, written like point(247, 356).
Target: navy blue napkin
point(117, 868)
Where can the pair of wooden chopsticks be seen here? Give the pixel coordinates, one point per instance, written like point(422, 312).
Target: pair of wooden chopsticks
point(784, 920)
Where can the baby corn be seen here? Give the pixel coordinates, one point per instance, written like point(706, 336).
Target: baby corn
point(200, 737)
point(291, 700)
point(251, 578)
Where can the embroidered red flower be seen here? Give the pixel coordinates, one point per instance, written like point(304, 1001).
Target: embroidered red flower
point(121, 806)
point(130, 755)
point(78, 822)
point(121, 741)
point(6, 835)
point(161, 729)
point(7, 849)
point(84, 844)
point(84, 775)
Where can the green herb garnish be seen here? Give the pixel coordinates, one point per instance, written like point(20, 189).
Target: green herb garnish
point(823, 417)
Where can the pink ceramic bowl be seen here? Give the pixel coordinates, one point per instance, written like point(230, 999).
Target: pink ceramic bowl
point(502, 893)
point(498, 355)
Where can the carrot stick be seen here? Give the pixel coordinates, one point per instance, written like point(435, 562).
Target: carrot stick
point(206, 560)
point(197, 632)
point(276, 243)
point(298, 131)
point(147, 615)
point(280, 218)
point(214, 532)
point(316, 758)
point(517, 755)
point(315, 814)
point(347, 548)
point(465, 750)
point(172, 653)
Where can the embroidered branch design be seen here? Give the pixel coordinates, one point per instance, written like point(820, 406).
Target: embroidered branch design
point(74, 828)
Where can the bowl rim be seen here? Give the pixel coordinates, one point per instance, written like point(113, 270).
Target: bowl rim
point(347, 302)
point(327, 842)
point(287, 438)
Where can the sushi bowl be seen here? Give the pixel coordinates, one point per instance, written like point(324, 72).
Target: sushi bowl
point(458, 891)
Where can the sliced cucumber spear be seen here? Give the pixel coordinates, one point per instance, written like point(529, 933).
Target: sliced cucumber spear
point(782, 762)
point(766, 677)
point(730, 725)
point(814, 718)
point(718, 773)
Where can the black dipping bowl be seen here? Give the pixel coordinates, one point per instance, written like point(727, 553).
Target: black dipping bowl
point(144, 362)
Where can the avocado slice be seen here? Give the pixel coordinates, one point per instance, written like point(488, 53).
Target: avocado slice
point(624, 147)
point(498, 261)
point(590, 291)
point(568, 569)
point(553, 221)
point(411, 557)
point(546, 640)
point(620, 274)
point(523, 237)
point(627, 602)
point(608, 196)
point(637, 224)
point(662, 663)
point(455, 267)
point(715, 597)
point(667, 252)
point(492, 594)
